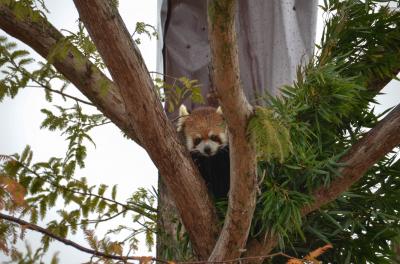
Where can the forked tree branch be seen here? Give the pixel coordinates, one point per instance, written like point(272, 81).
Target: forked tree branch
point(372, 147)
point(147, 117)
point(68, 242)
point(159, 137)
point(42, 37)
point(237, 111)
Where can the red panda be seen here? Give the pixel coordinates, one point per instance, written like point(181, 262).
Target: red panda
point(204, 129)
point(205, 135)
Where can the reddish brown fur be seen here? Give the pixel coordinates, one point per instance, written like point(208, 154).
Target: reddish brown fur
point(202, 121)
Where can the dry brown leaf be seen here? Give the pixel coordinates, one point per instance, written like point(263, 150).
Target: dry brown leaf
point(319, 251)
point(146, 260)
point(295, 261)
point(4, 248)
point(312, 256)
point(16, 190)
point(116, 248)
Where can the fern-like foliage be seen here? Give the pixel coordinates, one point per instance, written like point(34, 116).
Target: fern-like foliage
point(143, 28)
point(42, 184)
point(32, 189)
point(33, 10)
point(173, 91)
point(75, 125)
point(82, 42)
point(300, 137)
point(269, 136)
point(30, 256)
point(365, 35)
point(327, 110)
point(16, 67)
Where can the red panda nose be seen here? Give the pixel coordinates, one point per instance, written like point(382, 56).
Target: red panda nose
point(207, 150)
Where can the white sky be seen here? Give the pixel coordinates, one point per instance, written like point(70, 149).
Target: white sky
point(115, 160)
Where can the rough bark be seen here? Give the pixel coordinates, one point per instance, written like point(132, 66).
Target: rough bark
point(169, 233)
point(237, 110)
point(261, 246)
point(42, 37)
point(396, 249)
point(159, 137)
point(146, 116)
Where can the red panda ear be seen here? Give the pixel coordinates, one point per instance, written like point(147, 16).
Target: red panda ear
point(183, 111)
point(183, 114)
point(219, 110)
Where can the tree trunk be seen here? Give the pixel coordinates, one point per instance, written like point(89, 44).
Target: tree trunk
point(186, 49)
point(397, 252)
point(133, 105)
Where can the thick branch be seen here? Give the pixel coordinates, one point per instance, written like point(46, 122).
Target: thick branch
point(377, 84)
point(237, 110)
point(65, 241)
point(147, 118)
point(42, 37)
point(373, 146)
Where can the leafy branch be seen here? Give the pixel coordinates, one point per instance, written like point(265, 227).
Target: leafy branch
point(30, 226)
point(143, 28)
point(174, 91)
point(145, 259)
point(44, 184)
point(18, 77)
point(132, 204)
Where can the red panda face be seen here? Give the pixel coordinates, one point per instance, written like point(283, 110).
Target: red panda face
point(204, 130)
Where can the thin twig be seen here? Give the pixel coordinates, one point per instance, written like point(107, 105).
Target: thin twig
point(89, 124)
point(61, 93)
point(177, 118)
point(134, 207)
point(96, 221)
point(165, 75)
point(41, 85)
point(68, 242)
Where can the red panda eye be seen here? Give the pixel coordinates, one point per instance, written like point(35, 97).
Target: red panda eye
point(215, 138)
point(197, 141)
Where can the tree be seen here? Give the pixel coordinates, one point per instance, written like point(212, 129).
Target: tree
point(310, 146)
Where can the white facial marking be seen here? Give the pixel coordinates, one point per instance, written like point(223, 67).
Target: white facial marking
point(223, 138)
point(207, 144)
point(206, 147)
point(189, 143)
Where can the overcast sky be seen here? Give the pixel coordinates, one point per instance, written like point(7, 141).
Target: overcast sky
point(115, 159)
